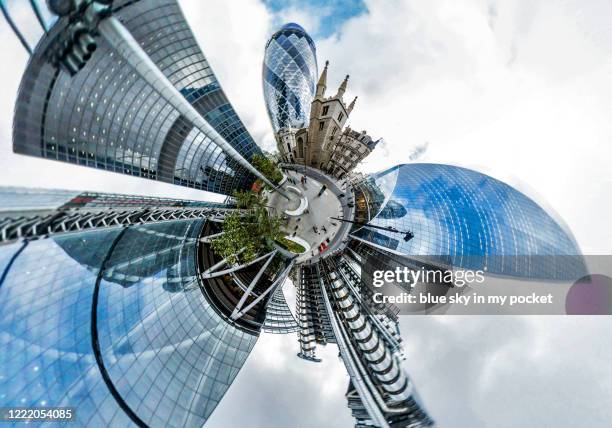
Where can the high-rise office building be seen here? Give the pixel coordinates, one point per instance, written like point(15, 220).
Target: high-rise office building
point(289, 77)
point(139, 321)
point(109, 116)
point(464, 219)
point(415, 216)
point(105, 308)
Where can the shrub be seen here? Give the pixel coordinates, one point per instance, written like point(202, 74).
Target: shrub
point(294, 247)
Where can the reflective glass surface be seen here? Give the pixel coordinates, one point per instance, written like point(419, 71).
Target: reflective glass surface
point(289, 77)
point(466, 218)
point(113, 323)
point(107, 117)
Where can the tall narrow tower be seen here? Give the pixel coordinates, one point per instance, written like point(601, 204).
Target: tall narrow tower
point(289, 75)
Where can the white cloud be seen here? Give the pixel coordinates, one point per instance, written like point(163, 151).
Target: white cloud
point(519, 89)
point(232, 36)
point(521, 94)
point(277, 389)
point(511, 371)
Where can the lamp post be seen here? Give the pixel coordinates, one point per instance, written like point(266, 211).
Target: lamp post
point(408, 235)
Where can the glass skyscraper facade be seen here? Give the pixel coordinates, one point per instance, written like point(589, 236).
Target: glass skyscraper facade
point(289, 77)
point(465, 219)
point(115, 320)
point(107, 117)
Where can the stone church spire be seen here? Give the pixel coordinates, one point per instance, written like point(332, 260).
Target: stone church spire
point(352, 105)
point(342, 88)
point(322, 85)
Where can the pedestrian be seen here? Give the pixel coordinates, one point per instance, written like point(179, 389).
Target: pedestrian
point(296, 227)
point(315, 229)
point(324, 229)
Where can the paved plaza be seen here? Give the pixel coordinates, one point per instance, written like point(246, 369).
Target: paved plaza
point(315, 225)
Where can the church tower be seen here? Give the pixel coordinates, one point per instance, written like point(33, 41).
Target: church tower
point(327, 119)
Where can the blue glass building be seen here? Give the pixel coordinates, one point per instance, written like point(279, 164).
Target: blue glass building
point(289, 77)
point(107, 116)
point(118, 306)
point(465, 219)
point(119, 352)
point(114, 319)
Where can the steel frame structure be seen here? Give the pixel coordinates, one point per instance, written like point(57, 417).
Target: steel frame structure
point(76, 220)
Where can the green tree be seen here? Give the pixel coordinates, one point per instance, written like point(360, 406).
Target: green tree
point(252, 230)
point(267, 167)
point(236, 236)
point(246, 199)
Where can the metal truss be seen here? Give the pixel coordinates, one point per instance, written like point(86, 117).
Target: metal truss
point(239, 311)
point(51, 223)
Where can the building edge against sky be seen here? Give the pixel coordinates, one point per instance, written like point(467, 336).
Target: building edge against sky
point(108, 117)
point(171, 360)
point(121, 329)
point(289, 74)
point(466, 219)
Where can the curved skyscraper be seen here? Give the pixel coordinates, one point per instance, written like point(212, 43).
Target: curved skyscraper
point(115, 305)
point(462, 217)
point(289, 77)
point(104, 308)
point(90, 106)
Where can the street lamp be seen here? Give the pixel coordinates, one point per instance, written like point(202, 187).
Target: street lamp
point(408, 235)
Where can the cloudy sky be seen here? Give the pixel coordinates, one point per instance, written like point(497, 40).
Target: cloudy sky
point(519, 89)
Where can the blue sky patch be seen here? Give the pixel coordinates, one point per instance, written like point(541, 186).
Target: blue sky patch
point(336, 12)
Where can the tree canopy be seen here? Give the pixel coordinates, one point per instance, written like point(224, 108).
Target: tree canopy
point(267, 167)
point(252, 230)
